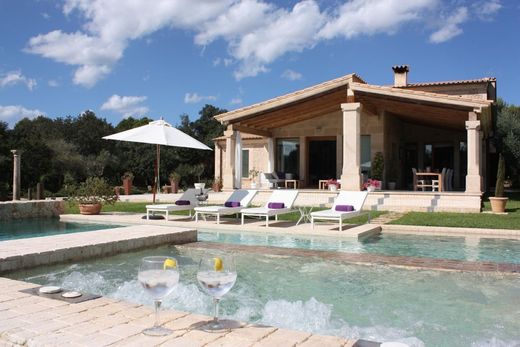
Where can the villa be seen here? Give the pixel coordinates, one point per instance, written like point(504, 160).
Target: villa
point(335, 128)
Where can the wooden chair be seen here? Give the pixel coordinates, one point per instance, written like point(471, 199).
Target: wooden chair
point(418, 183)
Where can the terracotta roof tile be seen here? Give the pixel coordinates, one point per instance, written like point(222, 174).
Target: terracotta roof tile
point(445, 83)
point(419, 93)
point(337, 82)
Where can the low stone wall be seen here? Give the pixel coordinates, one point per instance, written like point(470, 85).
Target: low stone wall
point(31, 209)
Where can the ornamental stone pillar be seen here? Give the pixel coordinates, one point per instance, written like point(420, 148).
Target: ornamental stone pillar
point(16, 174)
point(351, 178)
point(473, 177)
point(228, 175)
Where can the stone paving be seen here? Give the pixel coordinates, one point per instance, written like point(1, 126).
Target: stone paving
point(31, 320)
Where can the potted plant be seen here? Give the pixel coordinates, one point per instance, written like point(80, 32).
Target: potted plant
point(175, 178)
point(371, 185)
point(127, 178)
point(393, 176)
point(198, 170)
point(217, 184)
point(332, 184)
point(378, 166)
point(499, 201)
point(91, 195)
point(253, 173)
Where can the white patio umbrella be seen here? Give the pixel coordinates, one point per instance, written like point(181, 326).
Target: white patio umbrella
point(158, 133)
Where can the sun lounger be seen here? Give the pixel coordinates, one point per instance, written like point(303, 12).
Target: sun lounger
point(347, 205)
point(239, 200)
point(280, 202)
point(187, 202)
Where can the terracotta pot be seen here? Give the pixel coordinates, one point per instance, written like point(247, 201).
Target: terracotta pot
point(90, 208)
point(127, 185)
point(498, 205)
point(174, 186)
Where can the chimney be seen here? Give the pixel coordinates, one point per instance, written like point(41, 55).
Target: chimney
point(400, 75)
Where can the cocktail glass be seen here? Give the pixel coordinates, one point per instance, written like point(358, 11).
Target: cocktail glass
point(158, 275)
point(216, 275)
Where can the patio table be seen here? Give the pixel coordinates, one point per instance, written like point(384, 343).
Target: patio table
point(431, 174)
point(305, 214)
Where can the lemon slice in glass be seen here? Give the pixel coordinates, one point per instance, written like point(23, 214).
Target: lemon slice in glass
point(218, 264)
point(169, 264)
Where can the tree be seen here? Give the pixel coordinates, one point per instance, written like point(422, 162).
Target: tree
point(86, 132)
point(507, 142)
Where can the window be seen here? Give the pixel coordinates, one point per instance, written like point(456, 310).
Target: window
point(366, 159)
point(245, 163)
point(428, 156)
point(288, 156)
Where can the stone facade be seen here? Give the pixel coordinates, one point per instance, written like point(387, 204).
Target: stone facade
point(31, 209)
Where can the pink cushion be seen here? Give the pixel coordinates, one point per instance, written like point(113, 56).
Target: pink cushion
point(275, 205)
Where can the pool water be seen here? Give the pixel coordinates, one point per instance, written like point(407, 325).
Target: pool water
point(417, 307)
point(37, 227)
point(442, 247)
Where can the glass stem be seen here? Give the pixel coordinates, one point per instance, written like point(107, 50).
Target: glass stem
point(215, 315)
point(157, 304)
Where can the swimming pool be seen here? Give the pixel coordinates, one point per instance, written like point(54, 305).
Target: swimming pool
point(418, 307)
point(441, 247)
point(37, 227)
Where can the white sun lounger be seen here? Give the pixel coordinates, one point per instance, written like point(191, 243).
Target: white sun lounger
point(355, 199)
point(286, 196)
point(243, 196)
point(189, 194)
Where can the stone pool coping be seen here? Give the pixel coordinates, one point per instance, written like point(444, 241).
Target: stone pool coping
point(231, 224)
point(25, 253)
point(31, 320)
point(289, 228)
point(453, 231)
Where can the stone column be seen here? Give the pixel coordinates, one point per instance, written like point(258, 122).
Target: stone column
point(351, 174)
point(473, 178)
point(16, 175)
point(339, 155)
point(303, 159)
point(218, 161)
point(228, 174)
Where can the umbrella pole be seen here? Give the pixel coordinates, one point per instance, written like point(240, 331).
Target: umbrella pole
point(155, 171)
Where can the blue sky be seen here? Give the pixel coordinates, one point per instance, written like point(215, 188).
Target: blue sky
point(169, 57)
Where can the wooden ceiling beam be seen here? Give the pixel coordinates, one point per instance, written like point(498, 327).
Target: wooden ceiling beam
point(251, 130)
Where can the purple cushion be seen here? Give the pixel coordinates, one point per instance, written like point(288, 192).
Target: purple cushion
point(232, 203)
point(182, 202)
point(344, 208)
point(275, 205)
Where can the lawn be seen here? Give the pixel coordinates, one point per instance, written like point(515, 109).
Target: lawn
point(140, 207)
point(468, 220)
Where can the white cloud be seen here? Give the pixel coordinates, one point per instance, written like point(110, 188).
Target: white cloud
point(13, 113)
point(126, 105)
point(487, 9)
point(369, 17)
point(256, 32)
point(109, 28)
point(450, 27)
point(291, 75)
point(235, 101)
point(53, 83)
point(284, 32)
point(16, 77)
point(193, 98)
